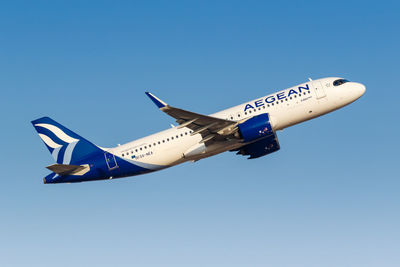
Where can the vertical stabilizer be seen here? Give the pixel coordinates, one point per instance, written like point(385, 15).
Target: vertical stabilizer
point(65, 146)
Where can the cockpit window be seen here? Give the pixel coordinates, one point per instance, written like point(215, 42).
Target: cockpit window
point(340, 82)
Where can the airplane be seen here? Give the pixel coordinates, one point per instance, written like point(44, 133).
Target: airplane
point(249, 129)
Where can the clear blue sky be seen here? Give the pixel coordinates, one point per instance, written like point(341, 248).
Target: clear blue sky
point(329, 197)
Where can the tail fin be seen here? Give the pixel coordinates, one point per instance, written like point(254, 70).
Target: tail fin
point(65, 146)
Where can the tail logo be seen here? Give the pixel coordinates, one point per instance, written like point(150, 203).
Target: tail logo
point(57, 142)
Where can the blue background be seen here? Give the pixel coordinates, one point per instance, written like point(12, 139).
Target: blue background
point(329, 197)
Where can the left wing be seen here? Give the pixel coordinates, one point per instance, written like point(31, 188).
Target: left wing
point(209, 127)
point(215, 129)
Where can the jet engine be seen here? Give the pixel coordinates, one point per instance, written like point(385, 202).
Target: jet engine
point(256, 127)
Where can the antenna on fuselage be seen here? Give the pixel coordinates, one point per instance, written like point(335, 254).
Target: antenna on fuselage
point(309, 79)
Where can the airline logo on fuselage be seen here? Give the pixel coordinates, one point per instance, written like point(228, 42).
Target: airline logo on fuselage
point(279, 96)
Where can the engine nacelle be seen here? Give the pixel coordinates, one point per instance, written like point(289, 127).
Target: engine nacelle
point(255, 128)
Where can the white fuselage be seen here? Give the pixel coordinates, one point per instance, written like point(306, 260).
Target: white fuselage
point(286, 108)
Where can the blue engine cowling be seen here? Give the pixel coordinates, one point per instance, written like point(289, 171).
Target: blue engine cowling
point(255, 128)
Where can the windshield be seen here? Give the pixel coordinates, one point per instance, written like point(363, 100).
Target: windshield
point(339, 82)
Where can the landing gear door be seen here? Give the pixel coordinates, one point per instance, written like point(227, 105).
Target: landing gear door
point(319, 89)
point(110, 160)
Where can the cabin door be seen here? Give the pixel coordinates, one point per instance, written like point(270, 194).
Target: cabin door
point(110, 160)
point(319, 89)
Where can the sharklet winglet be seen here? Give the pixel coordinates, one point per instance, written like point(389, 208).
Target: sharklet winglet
point(159, 103)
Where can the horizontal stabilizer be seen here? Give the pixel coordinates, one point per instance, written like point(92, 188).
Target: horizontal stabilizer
point(64, 169)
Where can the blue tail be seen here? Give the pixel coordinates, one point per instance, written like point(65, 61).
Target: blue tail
point(65, 146)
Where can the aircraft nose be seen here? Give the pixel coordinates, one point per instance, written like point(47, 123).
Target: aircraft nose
point(361, 89)
point(358, 90)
